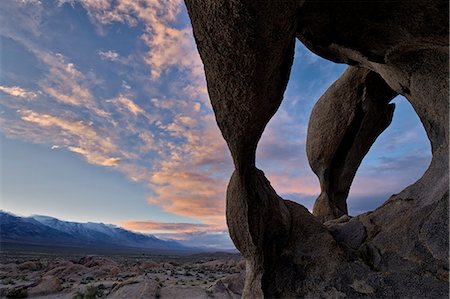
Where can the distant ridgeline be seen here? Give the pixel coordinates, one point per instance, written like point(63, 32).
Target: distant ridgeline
point(48, 234)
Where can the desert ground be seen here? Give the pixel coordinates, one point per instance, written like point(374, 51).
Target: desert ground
point(33, 275)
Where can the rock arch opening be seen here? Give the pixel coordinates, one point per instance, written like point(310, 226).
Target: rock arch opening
point(398, 158)
point(281, 152)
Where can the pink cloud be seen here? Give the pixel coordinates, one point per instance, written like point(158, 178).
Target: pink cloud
point(19, 92)
point(128, 104)
point(79, 137)
point(169, 46)
point(191, 180)
point(149, 226)
point(66, 84)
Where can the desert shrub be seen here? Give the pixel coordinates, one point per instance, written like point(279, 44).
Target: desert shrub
point(17, 293)
point(93, 292)
point(78, 295)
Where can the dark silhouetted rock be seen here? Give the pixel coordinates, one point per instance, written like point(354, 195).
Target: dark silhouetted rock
point(393, 47)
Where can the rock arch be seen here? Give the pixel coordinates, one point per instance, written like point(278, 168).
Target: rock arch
point(392, 47)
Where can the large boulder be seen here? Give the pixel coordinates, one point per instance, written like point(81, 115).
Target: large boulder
point(48, 285)
point(136, 287)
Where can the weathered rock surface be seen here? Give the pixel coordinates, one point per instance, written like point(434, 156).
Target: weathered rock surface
point(136, 287)
point(230, 286)
point(48, 285)
point(393, 47)
point(344, 123)
point(30, 265)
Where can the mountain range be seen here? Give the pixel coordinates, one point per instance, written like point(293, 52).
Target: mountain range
point(51, 232)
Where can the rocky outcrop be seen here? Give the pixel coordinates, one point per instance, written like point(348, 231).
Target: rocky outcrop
point(136, 287)
point(48, 285)
point(393, 47)
point(344, 123)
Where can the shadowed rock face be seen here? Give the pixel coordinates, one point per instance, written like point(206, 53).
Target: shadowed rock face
point(344, 123)
point(393, 47)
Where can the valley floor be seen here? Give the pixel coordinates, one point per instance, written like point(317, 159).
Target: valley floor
point(121, 276)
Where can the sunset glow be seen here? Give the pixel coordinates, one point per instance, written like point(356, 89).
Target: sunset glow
point(105, 117)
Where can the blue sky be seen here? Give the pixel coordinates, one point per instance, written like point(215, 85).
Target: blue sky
point(104, 116)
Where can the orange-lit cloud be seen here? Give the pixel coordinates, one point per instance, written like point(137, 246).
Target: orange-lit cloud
point(169, 46)
point(17, 91)
point(66, 84)
point(95, 158)
point(80, 138)
point(128, 104)
point(285, 183)
point(192, 181)
point(164, 137)
point(154, 227)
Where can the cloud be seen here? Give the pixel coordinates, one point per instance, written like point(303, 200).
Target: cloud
point(128, 104)
point(77, 136)
point(170, 142)
point(191, 178)
point(162, 132)
point(148, 143)
point(26, 14)
point(189, 234)
point(162, 104)
point(66, 84)
point(281, 155)
point(169, 46)
point(191, 194)
point(109, 55)
point(411, 164)
point(17, 91)
point(189, 159)
point(95, 158)
point(282, 145)
point(306, 185)
point(150, 226)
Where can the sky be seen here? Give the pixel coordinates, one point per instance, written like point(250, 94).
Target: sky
point(105, 117)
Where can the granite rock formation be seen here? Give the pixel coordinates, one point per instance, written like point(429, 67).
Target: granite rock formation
point(344, 123)
point(392, 47)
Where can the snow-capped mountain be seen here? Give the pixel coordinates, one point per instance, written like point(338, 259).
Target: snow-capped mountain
point(48, 231)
